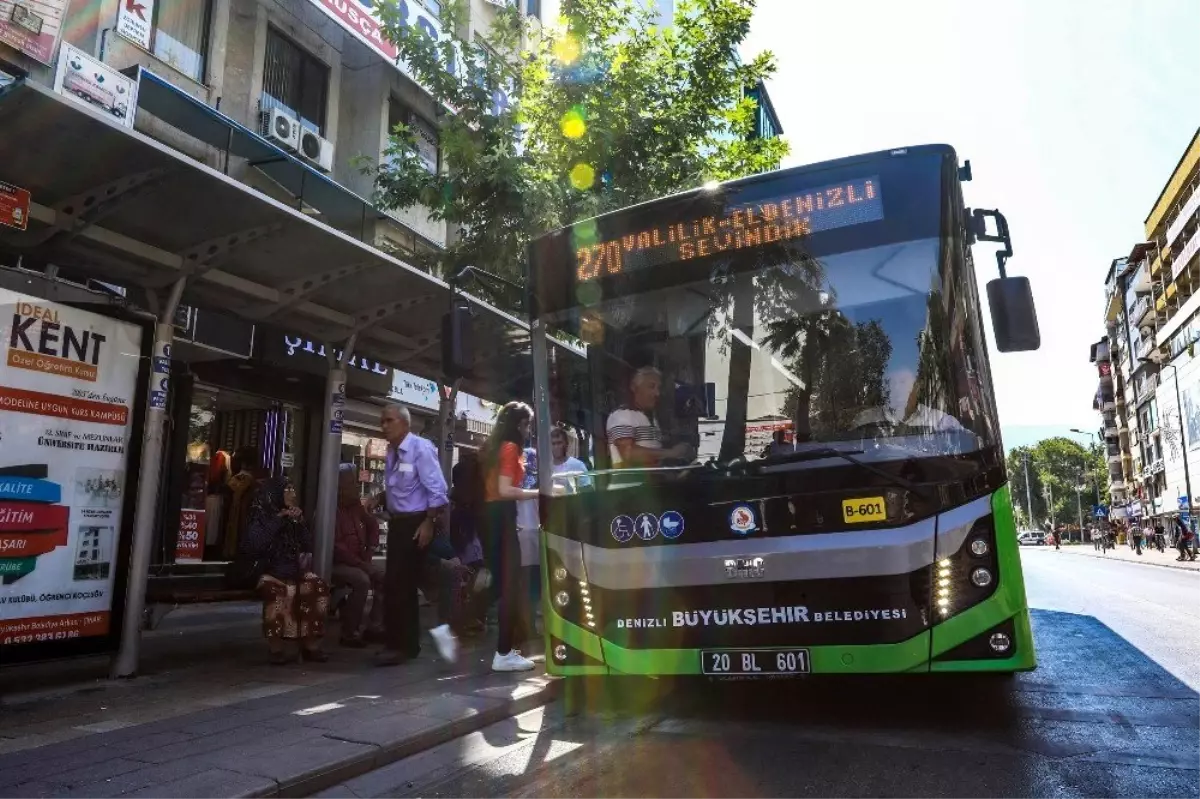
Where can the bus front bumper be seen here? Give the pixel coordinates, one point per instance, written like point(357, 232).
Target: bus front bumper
point(957, 644)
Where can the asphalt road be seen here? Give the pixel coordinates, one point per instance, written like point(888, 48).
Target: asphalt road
point(1109, 712)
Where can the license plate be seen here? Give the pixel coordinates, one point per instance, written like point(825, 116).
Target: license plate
point(754, 662)
point(863, 509)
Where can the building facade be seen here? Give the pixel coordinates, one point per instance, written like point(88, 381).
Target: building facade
point(1147, 360)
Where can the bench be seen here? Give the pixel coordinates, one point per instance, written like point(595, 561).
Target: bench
point(204, 583)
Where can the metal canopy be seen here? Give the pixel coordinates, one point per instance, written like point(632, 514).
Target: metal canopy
point(117, 205)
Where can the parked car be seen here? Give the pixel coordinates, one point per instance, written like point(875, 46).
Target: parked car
point(1032, 538)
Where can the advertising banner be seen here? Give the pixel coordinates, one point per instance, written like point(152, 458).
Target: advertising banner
point(32, 26)
point(68, 382)
point(92, 84)
point(189, 546)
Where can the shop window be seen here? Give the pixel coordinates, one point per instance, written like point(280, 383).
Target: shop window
point(222, 424)
point(180, 36)
point(426, 133)
point(295, 81)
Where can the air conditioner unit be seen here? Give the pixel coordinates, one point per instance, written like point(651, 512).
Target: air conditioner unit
point(316, 150)
point(279, 127)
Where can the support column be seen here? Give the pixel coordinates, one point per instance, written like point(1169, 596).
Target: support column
point(446, 424)
point(541, 405)
point(331, 447)
point(150, 474)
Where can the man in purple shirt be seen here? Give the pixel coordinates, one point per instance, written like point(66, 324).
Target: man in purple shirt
point(415, 496)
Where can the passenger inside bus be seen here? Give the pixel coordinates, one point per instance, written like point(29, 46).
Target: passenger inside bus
point(635, 439)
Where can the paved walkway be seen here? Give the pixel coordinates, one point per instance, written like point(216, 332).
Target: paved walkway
point(210, 718)
point(1123, 552)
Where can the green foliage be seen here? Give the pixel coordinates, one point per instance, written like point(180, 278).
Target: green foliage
point(1057, 467)
point(606, 111)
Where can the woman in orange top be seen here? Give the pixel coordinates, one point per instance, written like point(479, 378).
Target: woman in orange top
point(503, 464)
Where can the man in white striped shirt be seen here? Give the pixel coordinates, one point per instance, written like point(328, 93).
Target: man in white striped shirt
point(634, 437)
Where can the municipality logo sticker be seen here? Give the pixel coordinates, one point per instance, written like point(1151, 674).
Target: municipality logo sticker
point(670, 524)
point(741, 520)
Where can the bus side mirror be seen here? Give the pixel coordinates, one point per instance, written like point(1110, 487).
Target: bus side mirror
point(1014, 317)
point(457, 355)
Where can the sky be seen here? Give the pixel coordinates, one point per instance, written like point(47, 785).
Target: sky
point(1072, 113)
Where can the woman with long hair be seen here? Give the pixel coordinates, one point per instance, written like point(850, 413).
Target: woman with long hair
point(295, 599)
point(503, 465)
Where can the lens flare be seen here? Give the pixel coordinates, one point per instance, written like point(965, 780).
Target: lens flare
point(583, 176)
point(572, 124)
point(567, 49)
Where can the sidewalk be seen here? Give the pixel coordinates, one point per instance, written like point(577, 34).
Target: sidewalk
point(210, 718)
point(1123, 552)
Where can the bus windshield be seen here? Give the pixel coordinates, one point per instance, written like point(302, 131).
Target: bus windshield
point(774, 321)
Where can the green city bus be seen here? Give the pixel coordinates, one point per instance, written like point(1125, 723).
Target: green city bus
point(787, 405)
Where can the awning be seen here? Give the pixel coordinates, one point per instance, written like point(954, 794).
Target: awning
point(115, 204)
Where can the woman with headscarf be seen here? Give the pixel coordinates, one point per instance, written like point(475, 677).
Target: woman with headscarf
point(295, 600)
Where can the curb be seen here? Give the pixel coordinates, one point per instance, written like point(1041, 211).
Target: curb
point(336, 773)
point(1138, 562)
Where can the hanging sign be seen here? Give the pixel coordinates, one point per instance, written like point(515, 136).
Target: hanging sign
point(14, 206)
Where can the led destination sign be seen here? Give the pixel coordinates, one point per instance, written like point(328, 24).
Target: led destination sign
point(781, 218)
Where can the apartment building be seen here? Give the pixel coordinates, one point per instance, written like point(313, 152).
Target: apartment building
point(313, 77)
point(1153, 300)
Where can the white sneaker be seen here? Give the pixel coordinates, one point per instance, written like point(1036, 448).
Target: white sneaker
point(513, 661)
point(446, 643)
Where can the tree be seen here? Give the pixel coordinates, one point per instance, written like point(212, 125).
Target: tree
point(605, 111)
point(1057, 468)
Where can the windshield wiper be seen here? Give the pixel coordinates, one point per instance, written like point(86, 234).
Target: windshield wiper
point(801, 456)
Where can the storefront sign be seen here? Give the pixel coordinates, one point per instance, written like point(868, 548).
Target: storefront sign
point(33, 26)
point(294, 352)
point(67, 386)
point(133, 21)
point(358, 18)
point(190, 544)
point(413, 390)
point(92, 84)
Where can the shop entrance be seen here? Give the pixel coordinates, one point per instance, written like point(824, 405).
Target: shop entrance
point(233, 439)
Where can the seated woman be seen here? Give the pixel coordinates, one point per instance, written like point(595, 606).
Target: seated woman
point(295, 600)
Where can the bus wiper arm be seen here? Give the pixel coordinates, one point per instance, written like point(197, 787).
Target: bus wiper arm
point(848, 456)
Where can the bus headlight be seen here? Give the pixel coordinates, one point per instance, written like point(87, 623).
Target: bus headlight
point(999, 642)
point(562, 599)
point(981, 577)
point(560, 652)
point(560, 574)
point(979, 547)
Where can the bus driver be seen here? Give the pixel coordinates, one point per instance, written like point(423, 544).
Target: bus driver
point(634, 437)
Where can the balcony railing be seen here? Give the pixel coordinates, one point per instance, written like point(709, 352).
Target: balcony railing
point(1140, 309)
point(1142, 347)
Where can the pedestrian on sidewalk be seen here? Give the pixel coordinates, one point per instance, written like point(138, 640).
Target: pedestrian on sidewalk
point(415, 496)
point(1140, 534)
point(504, 469)
point(356, 536)
point(1160, 537)
point(295, 600)
point(1183, 541)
